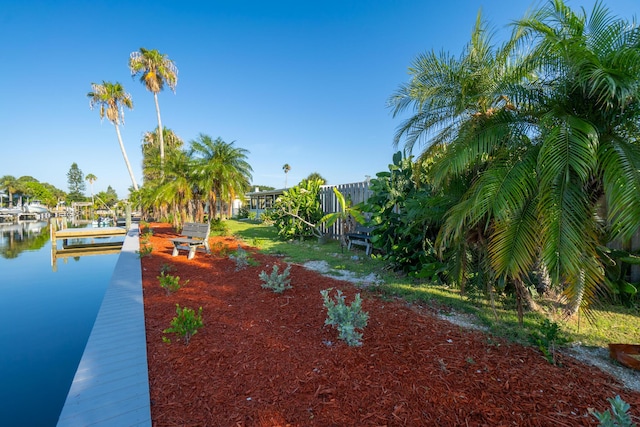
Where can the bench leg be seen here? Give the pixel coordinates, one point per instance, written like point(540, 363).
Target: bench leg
point(192, 252)
point(175, 250)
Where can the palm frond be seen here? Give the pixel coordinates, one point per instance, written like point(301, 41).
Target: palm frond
point(515, 241)
point(620, 168)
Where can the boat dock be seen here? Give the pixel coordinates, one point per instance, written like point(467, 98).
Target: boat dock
point(111, 385)
point(79, 245)
point(83, 233)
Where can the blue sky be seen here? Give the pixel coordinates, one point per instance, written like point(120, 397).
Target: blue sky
point(297, 82)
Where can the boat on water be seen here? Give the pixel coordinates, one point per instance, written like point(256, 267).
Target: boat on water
point(10, 211)
point(102, 222)
point(35, 206)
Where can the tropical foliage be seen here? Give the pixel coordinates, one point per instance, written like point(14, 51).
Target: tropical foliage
point(27, 187)
point(194, 180)
point(540, 134)
point(298, 212)
point(406, 216)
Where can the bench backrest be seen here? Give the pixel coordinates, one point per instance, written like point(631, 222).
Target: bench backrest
point(196, 230)
point(361, 229)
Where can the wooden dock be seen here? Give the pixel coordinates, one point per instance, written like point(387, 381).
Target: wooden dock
point(83, 233)
point(111, 385)
point(81, 247)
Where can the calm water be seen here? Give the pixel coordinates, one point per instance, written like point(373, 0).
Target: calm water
point(45, 321)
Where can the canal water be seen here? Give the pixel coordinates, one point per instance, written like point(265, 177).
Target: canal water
point(47, 309)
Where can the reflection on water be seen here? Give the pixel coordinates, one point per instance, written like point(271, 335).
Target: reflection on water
point(45, 319)
point(18, 237)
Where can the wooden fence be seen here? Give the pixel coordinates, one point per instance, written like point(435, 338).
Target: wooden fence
point(357, 192)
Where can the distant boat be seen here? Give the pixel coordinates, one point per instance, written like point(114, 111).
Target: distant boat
point(35, 207)
point(102, 222)
point(10, 211)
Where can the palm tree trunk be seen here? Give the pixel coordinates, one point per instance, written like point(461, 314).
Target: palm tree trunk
point(575, 301)
point(524, 300)
point(160, 133)
point(126, 159)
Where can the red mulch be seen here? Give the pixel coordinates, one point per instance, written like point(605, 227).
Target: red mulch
point(264, 359)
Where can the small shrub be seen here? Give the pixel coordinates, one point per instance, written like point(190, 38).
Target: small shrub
point(167, 268)
point(144, 251)
point(345, 318)
point(185, 324)
point(220, 248)
point(547, 338)
point(170, 283)
point(146, 236)
point(617, 416)
point(243, 212)
point(278, 283)
point(241, 257)
point(218, 227)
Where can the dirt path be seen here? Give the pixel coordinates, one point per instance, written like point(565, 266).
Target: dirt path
point(264, 359)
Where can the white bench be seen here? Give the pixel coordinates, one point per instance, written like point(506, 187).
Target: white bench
point(195, 235)
point(362, 237)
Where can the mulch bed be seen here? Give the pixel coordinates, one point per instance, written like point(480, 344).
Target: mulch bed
point(266, 359)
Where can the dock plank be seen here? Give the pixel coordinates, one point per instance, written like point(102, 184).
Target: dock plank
point(111, 385)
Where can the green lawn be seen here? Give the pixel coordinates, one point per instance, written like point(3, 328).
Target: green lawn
point(608, 324)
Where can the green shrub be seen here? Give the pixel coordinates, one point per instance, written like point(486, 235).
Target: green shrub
point(297, 211)
point(278, 283)
point(243, 212)
point(345, 318)
point(144, 251)
point(170, 283)
point(547, 338)
point(406, 215)
point(218, 227)
point(617, 416)
point(167, 268)
point(185, 324)
point(241, 257)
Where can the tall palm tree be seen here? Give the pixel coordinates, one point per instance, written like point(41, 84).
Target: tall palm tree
point(155, 69)
point(286, 168)
point(112, 98)
point(91, 178)
point(221, 170)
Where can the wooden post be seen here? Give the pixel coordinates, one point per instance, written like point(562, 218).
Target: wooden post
point(53, 234)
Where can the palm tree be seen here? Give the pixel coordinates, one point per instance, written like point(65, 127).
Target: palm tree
point(91, 178)
point(175, 193)
point(221, 170)
point(112, 99)
point(286, 168)
point(547, 144)
point(588, 162)
point(151, 150)
point(155, 69)
point(463, 116)
point(10, 184)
